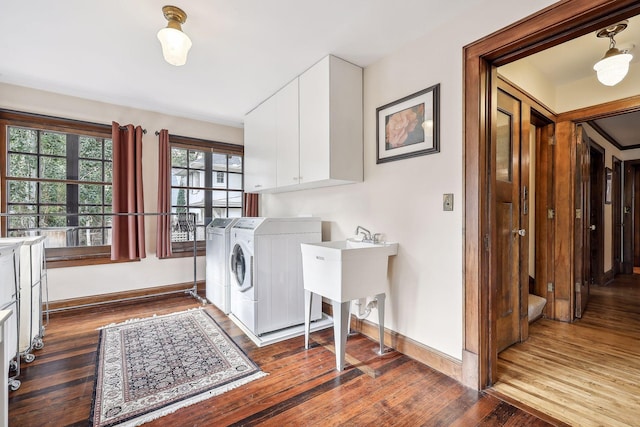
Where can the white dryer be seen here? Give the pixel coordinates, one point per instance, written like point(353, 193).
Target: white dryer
point(217, 265)
point(267, 293)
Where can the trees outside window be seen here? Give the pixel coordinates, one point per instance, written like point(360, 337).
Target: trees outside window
point(58, 184)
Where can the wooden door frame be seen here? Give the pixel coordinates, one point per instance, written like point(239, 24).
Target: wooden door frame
point(551, 26)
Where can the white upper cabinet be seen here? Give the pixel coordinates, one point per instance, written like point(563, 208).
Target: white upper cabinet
point(314, 135)
point(260, 148)
point(288, 172)
point(331, 124)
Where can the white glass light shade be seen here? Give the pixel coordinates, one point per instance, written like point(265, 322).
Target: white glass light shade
point(175, 45)
point(613, 67)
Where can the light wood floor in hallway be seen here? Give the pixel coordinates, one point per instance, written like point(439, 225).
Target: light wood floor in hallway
point(586, 373)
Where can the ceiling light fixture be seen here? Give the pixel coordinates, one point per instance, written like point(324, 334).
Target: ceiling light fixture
point(175, 43)
point(614, 66)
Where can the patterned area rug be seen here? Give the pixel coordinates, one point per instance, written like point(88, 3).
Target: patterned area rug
point(151, 367)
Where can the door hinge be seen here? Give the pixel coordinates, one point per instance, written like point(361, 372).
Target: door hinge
point(578, 213)
point(486, 242)
point(552, 140)
point(551, 213)
point(550, 287)
point(577, 287)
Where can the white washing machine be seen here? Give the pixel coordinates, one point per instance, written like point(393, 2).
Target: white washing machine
point(217, 262)
point(267, 293)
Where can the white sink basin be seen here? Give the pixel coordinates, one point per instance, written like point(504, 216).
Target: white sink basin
point(345, 270)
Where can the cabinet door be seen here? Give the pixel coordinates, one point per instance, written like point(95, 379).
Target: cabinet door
point(260, 148)
point(288, 171)
point(314, 122)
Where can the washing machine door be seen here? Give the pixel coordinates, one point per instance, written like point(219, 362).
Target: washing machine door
point(241, 265)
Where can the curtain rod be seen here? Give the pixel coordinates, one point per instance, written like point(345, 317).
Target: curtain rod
point(144, 131)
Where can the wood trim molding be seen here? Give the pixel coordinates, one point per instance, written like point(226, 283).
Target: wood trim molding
point(83, 303)
point(433, 358)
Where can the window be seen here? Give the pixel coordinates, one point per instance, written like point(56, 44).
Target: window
point(206, 183)
point(57, 177)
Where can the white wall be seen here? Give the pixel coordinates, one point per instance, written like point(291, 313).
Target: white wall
point(403, 199)
point(74, 282)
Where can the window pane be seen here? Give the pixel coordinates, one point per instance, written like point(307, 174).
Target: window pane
point(53, 143)
point(90, 170)
point(220, 162)
point(178, 177)
point(235, 181)
point(179, 198)
point(51, 192)
point(23, 217)
point(503, 148)
point(108, 193)
point(108, 174)
point(219, 212)
point(179, 157)
point(93, 237)
point(235, 164)
point(53, 168)
point(196, 198)
point(235, 212)
point(90, 194)
point(90, 220)
point(108, 149)
point(196, 179)
point(235, 199)
point(22, 192)
point(219, 198)
point(55, 219)
point(23, 166)
point(196, 159)
point(23, 140)
point(90, 148)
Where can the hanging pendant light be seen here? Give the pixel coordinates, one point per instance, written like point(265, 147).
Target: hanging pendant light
point(614, 66)
point(175, 43)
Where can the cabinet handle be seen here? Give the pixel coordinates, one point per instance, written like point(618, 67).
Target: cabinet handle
point(257, 186)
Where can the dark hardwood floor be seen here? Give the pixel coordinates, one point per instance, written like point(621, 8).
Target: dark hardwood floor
point(302, 388)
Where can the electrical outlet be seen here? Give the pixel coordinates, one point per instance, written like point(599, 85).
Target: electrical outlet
point(447, 202)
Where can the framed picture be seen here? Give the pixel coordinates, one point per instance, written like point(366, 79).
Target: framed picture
point(607, 185)
point(409, 127)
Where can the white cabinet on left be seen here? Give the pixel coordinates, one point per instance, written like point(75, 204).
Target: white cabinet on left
point(260, 148)
point(271, 142)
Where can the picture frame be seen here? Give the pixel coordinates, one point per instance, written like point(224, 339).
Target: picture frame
point(608, 175)
point(409, 127)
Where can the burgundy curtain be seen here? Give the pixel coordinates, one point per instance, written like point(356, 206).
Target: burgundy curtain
point(127, 237)
point(163, 235)
point(250, 204)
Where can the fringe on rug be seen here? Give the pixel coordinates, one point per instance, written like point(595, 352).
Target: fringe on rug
point(191, 401)
point(140, 319)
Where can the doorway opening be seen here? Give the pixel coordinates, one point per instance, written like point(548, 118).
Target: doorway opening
point(550, 27)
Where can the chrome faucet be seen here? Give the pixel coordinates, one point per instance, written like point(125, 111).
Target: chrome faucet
point(366, 234)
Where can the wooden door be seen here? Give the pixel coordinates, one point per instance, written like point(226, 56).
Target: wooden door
point(616, 208)
point(582, 237)
point(596, 213)
point(508, 229)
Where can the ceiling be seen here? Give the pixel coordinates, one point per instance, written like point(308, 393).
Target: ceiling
point(243, 50)
point(574, 60)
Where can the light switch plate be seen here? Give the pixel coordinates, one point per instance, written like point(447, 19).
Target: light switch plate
point(447, 202)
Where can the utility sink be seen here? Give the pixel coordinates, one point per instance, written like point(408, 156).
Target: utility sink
point(342, 271)
point(345, 270)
